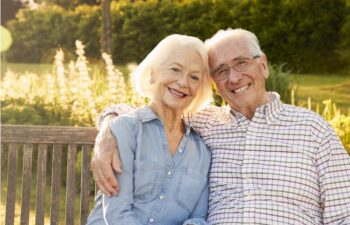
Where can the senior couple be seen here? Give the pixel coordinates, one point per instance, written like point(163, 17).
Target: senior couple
point(180, 161)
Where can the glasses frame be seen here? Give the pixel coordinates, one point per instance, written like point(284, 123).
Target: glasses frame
point(233, 66)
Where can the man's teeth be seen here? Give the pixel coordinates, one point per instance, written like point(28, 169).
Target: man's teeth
point(177, 93)
point(239, 90)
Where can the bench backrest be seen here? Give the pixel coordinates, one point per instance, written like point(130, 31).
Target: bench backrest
point(19, 142)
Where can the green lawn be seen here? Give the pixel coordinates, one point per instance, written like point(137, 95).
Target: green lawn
point(40, 69)
point(318, 87)
point(322, 87)
point(21, 68)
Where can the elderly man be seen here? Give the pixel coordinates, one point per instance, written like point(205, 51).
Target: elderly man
point(272, 163)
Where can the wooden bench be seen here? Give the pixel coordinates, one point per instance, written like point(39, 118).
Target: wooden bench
point(20, 142)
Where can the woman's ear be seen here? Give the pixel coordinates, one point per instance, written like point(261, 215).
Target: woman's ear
point(152, 78)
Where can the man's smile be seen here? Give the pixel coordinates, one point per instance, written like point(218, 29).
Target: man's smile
point(241, 89)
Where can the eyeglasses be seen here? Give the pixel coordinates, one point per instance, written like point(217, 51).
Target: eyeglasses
point(239, 65)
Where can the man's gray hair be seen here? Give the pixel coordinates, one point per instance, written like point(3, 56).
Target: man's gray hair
point(222, 35)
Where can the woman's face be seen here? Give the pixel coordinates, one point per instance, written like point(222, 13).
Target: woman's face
point(178, 79)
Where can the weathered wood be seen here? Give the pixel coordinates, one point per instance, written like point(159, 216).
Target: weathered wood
point(11, 185)
point(41, 185)
point(85, 176)
point(46, 134)
point(72, 158)
point(56, 183)
point(26, 183)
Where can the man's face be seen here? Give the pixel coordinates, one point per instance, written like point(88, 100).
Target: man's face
point(241, 90)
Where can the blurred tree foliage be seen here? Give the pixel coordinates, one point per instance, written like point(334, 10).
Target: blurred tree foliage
point(306, 35)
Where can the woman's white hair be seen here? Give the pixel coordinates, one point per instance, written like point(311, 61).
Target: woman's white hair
point(141, 75)
point(238, 33)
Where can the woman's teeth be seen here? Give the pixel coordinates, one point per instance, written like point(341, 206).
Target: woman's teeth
point(179, 94)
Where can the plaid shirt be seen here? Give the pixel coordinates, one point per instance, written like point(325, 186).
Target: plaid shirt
point(285, 166)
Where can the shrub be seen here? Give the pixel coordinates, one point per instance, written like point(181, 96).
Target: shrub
point(307, 35)
point(280, 81)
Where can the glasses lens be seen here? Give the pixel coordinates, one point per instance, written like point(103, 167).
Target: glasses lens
point(221, 73)
point(242, 64)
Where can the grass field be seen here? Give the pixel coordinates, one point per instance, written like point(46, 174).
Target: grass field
point(42, 69)
point(322, 87)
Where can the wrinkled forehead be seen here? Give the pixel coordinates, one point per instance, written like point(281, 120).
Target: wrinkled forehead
point(227, 50)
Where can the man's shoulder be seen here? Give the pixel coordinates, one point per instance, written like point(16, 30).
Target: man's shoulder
point(304, 116)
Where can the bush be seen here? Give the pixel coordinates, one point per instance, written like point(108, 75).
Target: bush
point(307, 35)
point(38, 34)
point(280, 81)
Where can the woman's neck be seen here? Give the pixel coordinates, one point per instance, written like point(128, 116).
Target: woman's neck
point(172, 119)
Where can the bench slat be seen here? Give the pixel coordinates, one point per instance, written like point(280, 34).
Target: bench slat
point(56, 183)
point(26, 183)
point(85, 176)
point(13, 136)
point(46, 134)
point(11, 185)
point(41, 185)
point(72, 158)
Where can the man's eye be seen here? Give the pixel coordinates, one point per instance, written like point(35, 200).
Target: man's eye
point(241, 63)
point(222, 71)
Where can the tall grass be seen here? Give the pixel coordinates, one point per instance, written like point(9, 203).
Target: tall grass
point(68, 95)
point(73, 94)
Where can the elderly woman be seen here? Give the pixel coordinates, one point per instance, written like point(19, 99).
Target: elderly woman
point(165, 162)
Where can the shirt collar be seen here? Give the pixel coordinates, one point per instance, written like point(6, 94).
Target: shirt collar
point(145, 114)
point(270, 110)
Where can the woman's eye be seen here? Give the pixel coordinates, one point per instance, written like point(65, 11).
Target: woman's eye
point(175, 69)
point(195, 77)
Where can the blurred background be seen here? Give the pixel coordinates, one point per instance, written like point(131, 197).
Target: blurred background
point(63, 61)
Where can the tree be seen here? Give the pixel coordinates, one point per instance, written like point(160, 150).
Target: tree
point(106, 36)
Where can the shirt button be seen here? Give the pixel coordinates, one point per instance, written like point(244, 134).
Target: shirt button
point(169, 173)
point(151, 220)
point(246, 176)
point(161, 197)
point(181, 150)
point(249, 197)
point(248, 221)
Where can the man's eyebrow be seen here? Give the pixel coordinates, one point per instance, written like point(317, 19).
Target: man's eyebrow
point(232, 60)
point(237, 58)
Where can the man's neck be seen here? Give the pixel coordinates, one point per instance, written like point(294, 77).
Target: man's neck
point(249, 110)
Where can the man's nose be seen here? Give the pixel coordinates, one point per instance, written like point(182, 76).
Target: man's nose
point(234, 76)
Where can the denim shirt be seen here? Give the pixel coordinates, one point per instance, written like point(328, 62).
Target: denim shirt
point(155, 187)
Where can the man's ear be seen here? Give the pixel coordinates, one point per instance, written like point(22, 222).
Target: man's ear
point(264, 66)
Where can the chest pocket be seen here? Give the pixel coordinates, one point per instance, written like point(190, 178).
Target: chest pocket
point(189, 188)
point(145, 180)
